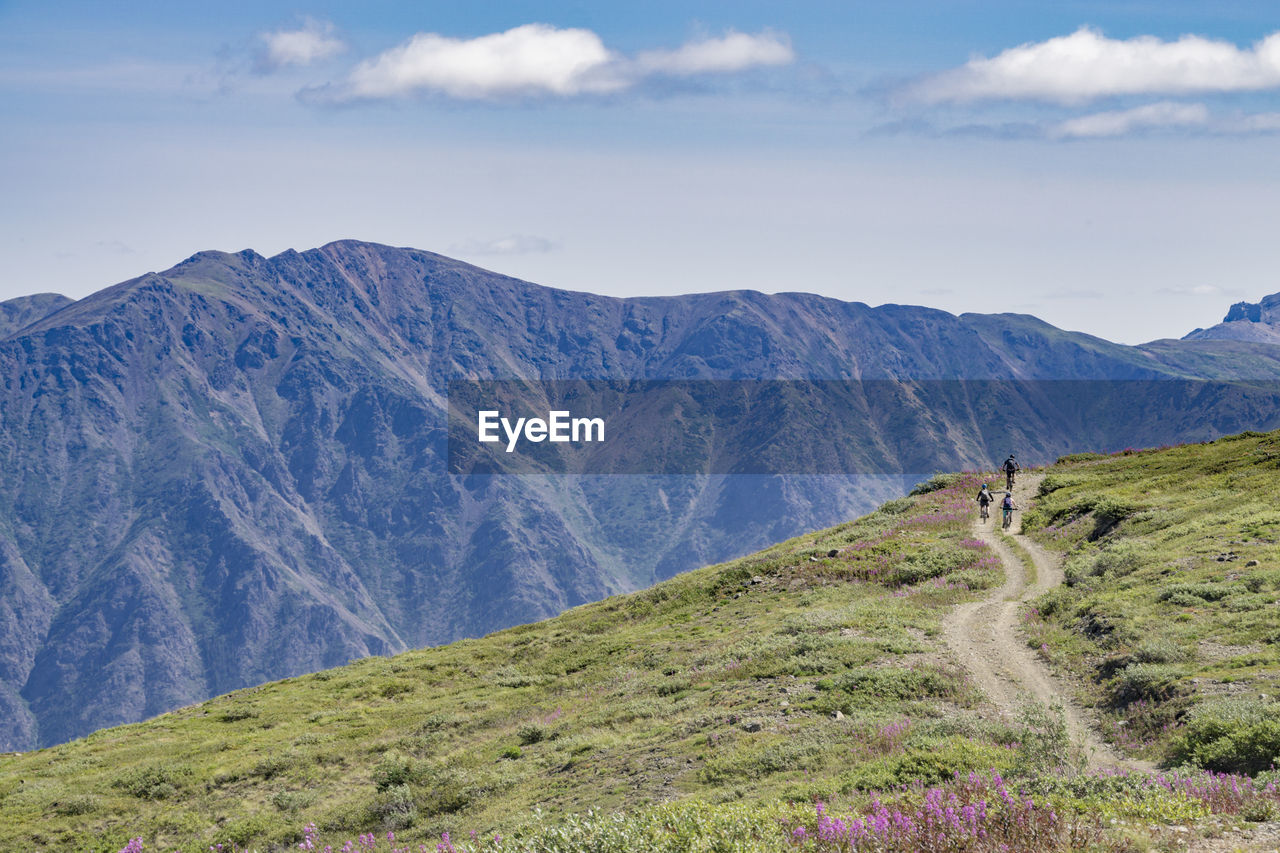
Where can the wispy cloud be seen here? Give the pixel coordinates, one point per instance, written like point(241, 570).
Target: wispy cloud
point(313, 42)
point(514, 244)
point(1201, 290)
point(1166, 114)
point(539, 60)
point(1075, 294)
point(733, 52)
point(1259, 123)
point(1087, 65)
point(1162, 116)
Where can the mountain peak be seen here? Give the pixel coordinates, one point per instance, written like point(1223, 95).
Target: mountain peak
point(1265, 311)
point(17, 314)
point(1246, 321)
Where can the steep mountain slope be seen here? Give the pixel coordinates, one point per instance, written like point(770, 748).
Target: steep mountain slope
point(234, 470)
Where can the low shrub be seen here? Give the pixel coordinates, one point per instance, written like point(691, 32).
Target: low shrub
point(1122, 558)
point(1231, 735)
point(158, 782)
point(1044, 743)
point(896, 507)
point(1146, 681)
point(393, 770)
point(1160, 650)
point(234, 715)
point(937, 483)
point(1201, 591)
point(1108, 512)
point(394, 808)
point(292, 801)
point(534, 733)
point(898, 683)
point(272, 766)
point(76, 805)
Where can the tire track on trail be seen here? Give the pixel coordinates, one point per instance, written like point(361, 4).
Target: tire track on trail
point(987, 639)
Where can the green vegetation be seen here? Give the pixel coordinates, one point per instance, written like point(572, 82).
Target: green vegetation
point(807, 670)
point(1171, 607)
point(713, 711)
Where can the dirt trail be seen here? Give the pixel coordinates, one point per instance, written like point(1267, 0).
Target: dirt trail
point(986, 636)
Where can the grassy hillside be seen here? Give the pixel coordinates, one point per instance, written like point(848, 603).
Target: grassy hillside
point(1171, 611)
point(787, 674)
point(712, 711)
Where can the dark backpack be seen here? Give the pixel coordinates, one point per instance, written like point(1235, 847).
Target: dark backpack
point(1010, 466)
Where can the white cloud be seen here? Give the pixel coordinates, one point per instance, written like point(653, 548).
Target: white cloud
point(514, 244)
point(1076, 294)
point(1259, 123)
point(1165, 114)
point(1200, 290)
point(313, 42)
point(541, 60)
point(733, 52)
point(532, 59)
point(1087, 64)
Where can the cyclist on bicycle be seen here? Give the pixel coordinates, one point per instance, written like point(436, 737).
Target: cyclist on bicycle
point(984, 500)
point(1010, 467)
point(1008, 506)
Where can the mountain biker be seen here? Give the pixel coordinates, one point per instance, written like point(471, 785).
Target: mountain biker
point(984, 500)
point(1010, 467)
point(1008, 506)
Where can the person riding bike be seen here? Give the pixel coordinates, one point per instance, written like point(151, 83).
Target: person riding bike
point(984, 500)
point(1010, 467)
point(1008, 506)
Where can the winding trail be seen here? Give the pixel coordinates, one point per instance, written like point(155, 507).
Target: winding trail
point(987, 639)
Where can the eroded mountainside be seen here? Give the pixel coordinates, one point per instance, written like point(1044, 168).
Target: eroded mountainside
point(234, 470)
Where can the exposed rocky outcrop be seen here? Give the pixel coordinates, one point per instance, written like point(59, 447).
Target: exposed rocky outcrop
point(1257, 322)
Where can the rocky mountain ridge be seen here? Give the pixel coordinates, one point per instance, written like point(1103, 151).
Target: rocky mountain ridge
point(234, 470)
point(1258, 322)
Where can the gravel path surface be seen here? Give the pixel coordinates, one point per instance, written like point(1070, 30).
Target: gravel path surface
point(986, 638)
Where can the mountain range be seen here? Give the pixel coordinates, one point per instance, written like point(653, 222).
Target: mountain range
point(235, 470)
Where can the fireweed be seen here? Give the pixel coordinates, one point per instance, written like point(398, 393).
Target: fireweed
point(978, 812)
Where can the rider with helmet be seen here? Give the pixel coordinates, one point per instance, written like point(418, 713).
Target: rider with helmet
point(984, 499)
point(1008, 506)
point(1010, 468)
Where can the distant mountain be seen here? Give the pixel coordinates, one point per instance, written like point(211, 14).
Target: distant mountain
point(1246, 321)
point(235, 470)
point(16, 314)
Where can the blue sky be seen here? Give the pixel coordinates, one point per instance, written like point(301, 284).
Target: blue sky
point(1109, 167)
